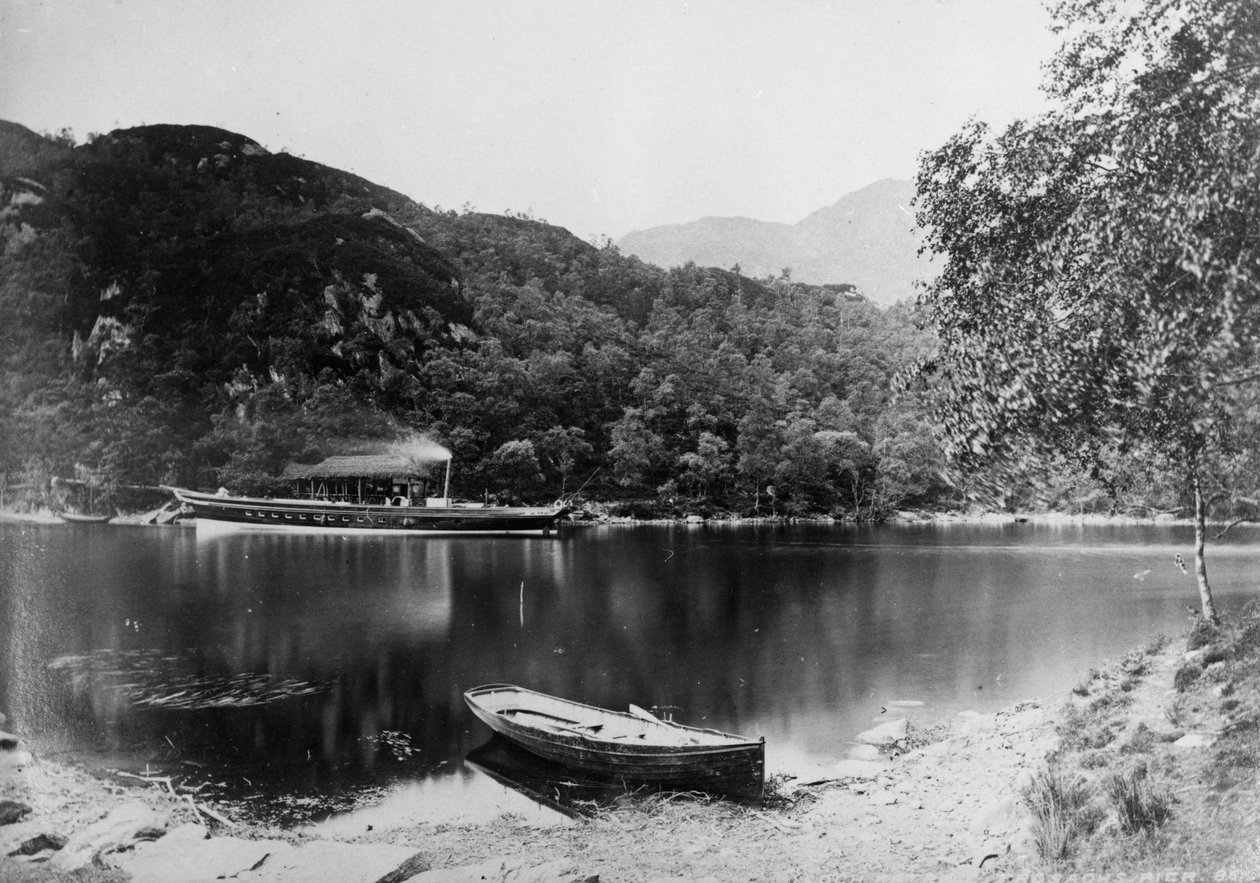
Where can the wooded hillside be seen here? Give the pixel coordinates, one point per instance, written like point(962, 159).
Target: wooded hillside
point(183, 306)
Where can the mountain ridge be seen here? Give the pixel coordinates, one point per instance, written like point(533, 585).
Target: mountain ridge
point(867, 238)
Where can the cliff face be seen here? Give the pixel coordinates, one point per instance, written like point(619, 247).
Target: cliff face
point(866, 239)
point(194, 248)
point(158, 276)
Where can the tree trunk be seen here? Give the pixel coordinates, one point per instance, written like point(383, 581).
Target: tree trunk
point(1200, 566)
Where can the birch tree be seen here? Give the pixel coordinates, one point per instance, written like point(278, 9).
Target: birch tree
point(1099, 291)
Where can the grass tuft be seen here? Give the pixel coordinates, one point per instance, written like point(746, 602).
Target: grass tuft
point(1140, 741)
point(920, 735)
point(1110, 701)
point(1140, 806)
point(1083, 687)
point(1083, 729)
point(1135, 664)
point(1062, 813)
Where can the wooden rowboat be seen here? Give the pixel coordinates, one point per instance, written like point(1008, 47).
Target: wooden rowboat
point(635, 748)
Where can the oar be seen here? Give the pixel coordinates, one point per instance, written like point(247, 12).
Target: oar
point(644, 714)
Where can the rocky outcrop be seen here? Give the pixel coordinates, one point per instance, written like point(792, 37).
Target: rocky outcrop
point(122, 828)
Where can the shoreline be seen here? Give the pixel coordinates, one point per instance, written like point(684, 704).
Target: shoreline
point(949, 802)
point(593, 518)
point(946, 806)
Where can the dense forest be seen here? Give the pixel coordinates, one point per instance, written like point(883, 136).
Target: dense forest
point(184, 307)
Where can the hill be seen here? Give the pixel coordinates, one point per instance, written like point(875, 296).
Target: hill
point(182, 306)
point(866, 239)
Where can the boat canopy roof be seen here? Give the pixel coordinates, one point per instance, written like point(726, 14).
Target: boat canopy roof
point(361, 466)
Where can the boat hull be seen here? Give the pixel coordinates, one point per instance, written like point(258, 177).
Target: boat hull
point(225, 512)
point(714, 762)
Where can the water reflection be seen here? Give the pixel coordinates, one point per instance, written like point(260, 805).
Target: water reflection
point(353, 653)
point(477, 792)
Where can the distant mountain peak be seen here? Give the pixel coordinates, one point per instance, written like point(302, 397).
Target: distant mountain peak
point(865, 239)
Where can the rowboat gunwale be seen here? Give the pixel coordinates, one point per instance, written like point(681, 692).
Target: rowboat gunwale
point(716, 761)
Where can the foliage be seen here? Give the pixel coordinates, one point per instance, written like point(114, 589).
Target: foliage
point(1202, 634)
point(188, 308)
point(1186, 675)
point(1098, 294)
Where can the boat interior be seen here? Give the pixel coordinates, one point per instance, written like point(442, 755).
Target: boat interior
point(562, 716)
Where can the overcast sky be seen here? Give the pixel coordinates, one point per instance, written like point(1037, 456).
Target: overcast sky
point(603, 116)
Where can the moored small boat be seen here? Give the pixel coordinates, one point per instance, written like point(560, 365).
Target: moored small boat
point(636, 748)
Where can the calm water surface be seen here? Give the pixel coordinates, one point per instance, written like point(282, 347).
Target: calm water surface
point(295, 673)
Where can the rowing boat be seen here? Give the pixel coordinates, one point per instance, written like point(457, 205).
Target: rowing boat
point(635, 747)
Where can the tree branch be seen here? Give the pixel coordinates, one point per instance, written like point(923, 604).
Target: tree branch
point(1238, 381)
point(1226, 529)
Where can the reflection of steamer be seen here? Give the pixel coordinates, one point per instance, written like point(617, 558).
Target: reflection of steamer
point(377, 494)
point(83, 518)
point(633, 749)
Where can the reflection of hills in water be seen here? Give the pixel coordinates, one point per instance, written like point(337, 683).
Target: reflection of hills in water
point(150, 679)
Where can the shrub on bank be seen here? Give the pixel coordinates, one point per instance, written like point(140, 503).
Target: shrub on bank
point(1201, 634)
point(1185, 676)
